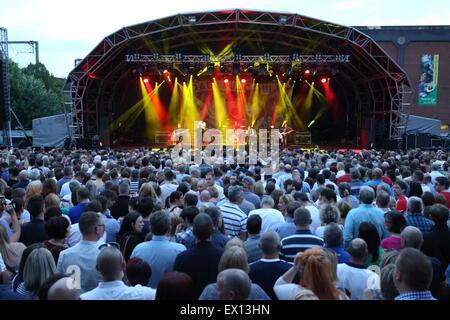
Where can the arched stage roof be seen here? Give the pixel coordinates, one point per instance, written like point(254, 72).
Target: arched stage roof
point(372, 82)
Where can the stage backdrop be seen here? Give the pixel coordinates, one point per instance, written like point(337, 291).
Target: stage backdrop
point(428, 82)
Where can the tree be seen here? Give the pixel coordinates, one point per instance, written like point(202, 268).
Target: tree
point(31, 97)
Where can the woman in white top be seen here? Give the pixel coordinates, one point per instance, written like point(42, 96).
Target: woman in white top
point(317, 276)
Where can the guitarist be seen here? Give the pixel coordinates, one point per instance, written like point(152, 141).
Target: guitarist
point(285, 130)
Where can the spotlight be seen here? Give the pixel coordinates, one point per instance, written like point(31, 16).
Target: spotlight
point(226, 81)
point(243, 81)
point(165, 71)
point(266, 56)
point(263, 68)
point(282, 20)
point(178, 56)
point(236, 68)
point(211, 69)
point(192, 19)
point(307, 72)
point(223, 68)
point(295, 56)
point(324, 80)
point(146, 80)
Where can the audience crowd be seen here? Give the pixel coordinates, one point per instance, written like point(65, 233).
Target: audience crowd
point(136, 225)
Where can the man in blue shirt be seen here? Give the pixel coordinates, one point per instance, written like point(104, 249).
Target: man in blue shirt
point(286, 229)
point(412, 275)
point(376, 175)
point(366, 212)
point(83, 199)
point(159, 253)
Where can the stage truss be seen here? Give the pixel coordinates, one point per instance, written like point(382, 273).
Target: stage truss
point(378, 80)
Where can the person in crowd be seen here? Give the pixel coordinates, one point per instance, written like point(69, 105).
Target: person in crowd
point(129, 235)
point(268, 214)
point(235, 220)
point(219, 239)
point(283, 202)
point(333, 238)
point(368, 232)
point(353, 276)
point(441, 184)
point(185, 235)
point(82, 200)
point(382, 201)
point(328, 213)
point(415, 215)
point(344, 208)
point(317, 276)
point(111, 264)
point(84, 254)
point(159, 253)
point(345, 195)
point(254, 223)
point(287, 228)
point(138, 272)
point(120, 207)
point(61, 291)
point(302, 239)
point(233, 284)
point(394, 223)
point(399, 189)
point(169, 185)
point(249, 183)
point(413, 275)
point(58, 229)
point(175, 286)
point(200, 262)
point(34, 231)
point(366, 212)
point(10, 252)
point(112, 226)
point(39, 266)
point(436, 243)
point(265, 271)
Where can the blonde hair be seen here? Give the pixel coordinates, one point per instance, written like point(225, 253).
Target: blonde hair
point(147, 190)
point(305, 294)
point(234, 257)
point(258, 188)
point(39, 267)
point(5, 248)
point(34, 188)
point(287, 198)
point(234, 242)
point(52, 200)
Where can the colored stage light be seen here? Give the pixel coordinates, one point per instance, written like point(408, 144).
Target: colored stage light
point(323, 80)
point(166, 71)
point(146, 80)
point(243, 81)
point(226, 81)
point(307, 72)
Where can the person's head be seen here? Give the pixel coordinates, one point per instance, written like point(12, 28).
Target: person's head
point(387, 285)
point(291, 207)
point(234, 257)
point(302, 218)
point(124, 189)
point(332, 256)
point(169, 176)
point(34, 188)
point(233, 284)
point(428, 199)
point(175, 286)
point(411, 237)
point(49, 186)
point(441, 184)
point(413, 271)
point(215, 214)
point(188, 214)
point(203, 227)
point(366, 195)
point(394, 222)
point(52, 200)
point(399, 188)
point(248, 183)
point(57, 228)
point(91, 226)
point(111, 264)
point(439, 214)
point(369, 233)
point(68, 172)
point(358, 251)
point(254, 223)
point(25, 255)
point(131, 223)
point(23, 175)
point(270, 243)
point(190, 200)
point(83, 194)
point(95, 206)
point(415, 189)
point(415, 205)
point(160, 223)
point(236, 194)
point(344, 189)
point(327, 196)
point(333, 235)
point(138, 271)
point(284, 201)
point(344, 208)
point(418, 176)
point(329, 213)
point(39, 267)
point(267, 202)
point(36, 207)
point(317, 273)
point(59, 290)
point(377, 173)
point(382, 199)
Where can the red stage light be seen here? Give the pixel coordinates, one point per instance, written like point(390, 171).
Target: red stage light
point(307, 71)
point(146, 80)
point(323, 80)
point(243, 81)
point(165, 71)
point(226, 81)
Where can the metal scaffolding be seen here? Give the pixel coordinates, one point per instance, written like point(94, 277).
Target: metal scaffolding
point(5, 98)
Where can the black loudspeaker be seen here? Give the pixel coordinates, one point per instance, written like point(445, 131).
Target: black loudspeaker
point(411, 141)
point(423, 141)
point(437, 143)
point(84, 143)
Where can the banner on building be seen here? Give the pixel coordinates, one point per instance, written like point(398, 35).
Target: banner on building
point(428, 81)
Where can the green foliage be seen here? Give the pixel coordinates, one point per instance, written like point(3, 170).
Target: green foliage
point(34, 92)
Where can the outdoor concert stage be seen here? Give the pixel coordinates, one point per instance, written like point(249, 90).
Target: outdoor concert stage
point(237, 69)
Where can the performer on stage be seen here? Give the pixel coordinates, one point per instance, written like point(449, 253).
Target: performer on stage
point(285, 130)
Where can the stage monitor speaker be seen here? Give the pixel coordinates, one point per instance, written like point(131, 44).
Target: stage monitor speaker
point(423, 141)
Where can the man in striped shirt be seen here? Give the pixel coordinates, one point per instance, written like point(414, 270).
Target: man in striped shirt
point(234, 219)
point(302, 240)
